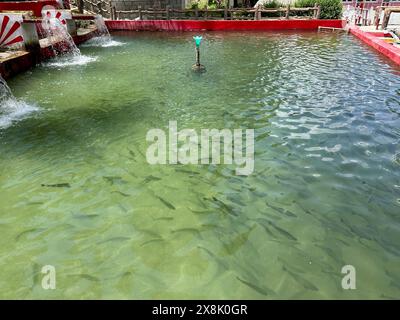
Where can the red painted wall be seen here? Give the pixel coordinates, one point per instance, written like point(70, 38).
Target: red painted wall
point(393, 53)
point(223, 25)
point(35, 6)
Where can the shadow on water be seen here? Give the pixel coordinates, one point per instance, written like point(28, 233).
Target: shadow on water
point(71, 128)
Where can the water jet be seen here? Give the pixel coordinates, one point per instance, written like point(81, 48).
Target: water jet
point(11, 109)
point(55, 32)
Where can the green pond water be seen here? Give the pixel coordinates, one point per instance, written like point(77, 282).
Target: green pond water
point(325, 191)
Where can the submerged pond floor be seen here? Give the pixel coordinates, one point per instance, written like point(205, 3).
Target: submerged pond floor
point(77, 193)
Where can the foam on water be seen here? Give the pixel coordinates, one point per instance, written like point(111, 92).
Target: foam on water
point(69, 61)
point(103, 41)
point(11, 109)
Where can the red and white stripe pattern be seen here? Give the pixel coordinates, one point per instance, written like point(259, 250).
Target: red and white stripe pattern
point(50, 13)
point(11, 35)
point(56, 15)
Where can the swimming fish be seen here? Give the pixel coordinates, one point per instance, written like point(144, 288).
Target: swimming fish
point(222, 205)
point(85, 216)
point(281, 210)
point(121, 193)
point(57, 185)
point(201, 211)
point(86, 277)
point(114, 179)
point(281, 231)
point(122, 207)
point(37, 203)
point(132, 153)
point(304, 282)
point(261, 222)
point(120, 275)
point(236, 243)
point(264, 291)
point(130, 173)
point(284, 232)
point(304, 209)
point(333, 254)
point(263, 135)
point(187, 230)
point(26, 232)
point(166, 203)
point(235, 199)
point(186, 171)
point(164, 218)
point(114, 239)
point(152, 241)
point(221, 262)
point(209, 226)
point(151, 178)
point(149, 233)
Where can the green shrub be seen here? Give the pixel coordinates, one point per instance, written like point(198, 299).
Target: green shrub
point(272, 4)
point(197, 4)
point(330, 9)
point(193, 5)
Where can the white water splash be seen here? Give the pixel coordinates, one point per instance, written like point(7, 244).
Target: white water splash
point(69, 61)
point(58, 38)
point(103, 42)
point(102, 29)
point(12, 109)
point(65, 51)
point(103, 38)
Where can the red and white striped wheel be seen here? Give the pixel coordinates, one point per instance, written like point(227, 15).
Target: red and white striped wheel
point(10, 31)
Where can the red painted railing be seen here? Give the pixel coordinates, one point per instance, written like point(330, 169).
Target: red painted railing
point(34, 6)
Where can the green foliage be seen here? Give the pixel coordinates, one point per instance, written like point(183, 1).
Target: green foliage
point(330, 9)
point(210, 4)
point(216, 4)
point(197, 4)
point(272, 4)
point(194, 5)
point(305, 3)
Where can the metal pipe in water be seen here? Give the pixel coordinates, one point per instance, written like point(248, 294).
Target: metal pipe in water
point(198, 66)
point(197, 56)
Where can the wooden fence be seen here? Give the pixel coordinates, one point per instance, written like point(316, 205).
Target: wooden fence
point(103, 7)
point(107, 9)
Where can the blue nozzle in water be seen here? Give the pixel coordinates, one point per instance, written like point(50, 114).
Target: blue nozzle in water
point(198, 39)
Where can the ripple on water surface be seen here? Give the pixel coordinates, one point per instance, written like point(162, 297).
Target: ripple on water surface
point(77, 192)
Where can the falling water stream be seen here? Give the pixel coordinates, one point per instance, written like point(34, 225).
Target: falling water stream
point(59, 39)
point(12, 109)
point(65, 51)
point(101, 26)
point(103, 38)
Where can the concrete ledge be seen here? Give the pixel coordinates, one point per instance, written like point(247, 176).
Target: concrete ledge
point(14, 62)
point(221, 25)
point(390, 51)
